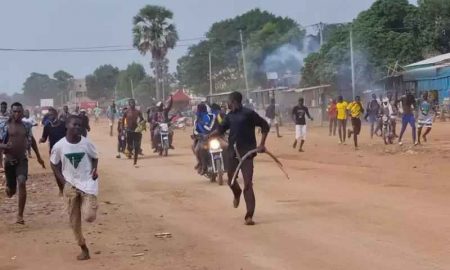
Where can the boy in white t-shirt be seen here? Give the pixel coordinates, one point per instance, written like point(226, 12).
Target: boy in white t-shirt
point(74, 161)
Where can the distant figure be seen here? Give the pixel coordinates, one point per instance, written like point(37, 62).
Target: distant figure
point(408, 105)
point(356, 110)
point(97, 112)
point(133, 117)
point(271, 116)
point(341, 107)
point(4, 116)
point(111, 114)
point(373, 110)
point(332, 117)
point(65, 113)
point(77, 110)
point(425, 118)
point(299, 114)
point(248, 104)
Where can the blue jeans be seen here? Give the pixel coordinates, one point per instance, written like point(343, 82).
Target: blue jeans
point(408, 118)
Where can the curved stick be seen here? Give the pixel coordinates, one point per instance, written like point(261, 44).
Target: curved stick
point(252, 152)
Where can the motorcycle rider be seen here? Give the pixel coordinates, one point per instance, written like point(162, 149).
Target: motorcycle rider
point(203, 125)
point(162, 116)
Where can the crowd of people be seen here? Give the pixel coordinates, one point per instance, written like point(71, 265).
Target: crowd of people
point(382, 113)
point(74, 159)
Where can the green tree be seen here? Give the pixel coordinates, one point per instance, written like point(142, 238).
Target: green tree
point(263, 33)
point(102, 83)
point(63, 78)
point(38, 86)
point(154, 33)
point(131, 76)
point(434, 26)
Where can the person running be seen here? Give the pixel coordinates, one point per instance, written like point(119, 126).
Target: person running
point(408, 105)
point(54, 131)
point(372, 113)
point(15, 135)
point(97, 112)
point(32, 122)
point(271, 116)
point(341, 107)
point(425, 118)
point(299, 114)
point(394, 114)
point(4, 116)
point(133, 117)
point(74, 161)
point(65, 113)
point(332, 117)
point(111, 114)
point(241, 122)
point(121, 134)
point(356, 110)
point(85, 128)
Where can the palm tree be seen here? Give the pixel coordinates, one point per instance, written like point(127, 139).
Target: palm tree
point(154, 32)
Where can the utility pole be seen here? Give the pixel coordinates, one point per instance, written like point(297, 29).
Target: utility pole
point(244, 63)
point(210, 75)
point(132, 88)
point(352, 63)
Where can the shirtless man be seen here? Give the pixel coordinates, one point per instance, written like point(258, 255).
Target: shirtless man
point(133, 117)
point(15, 136)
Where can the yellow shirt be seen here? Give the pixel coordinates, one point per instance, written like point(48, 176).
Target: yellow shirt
point(355, 109)
point(341, 110)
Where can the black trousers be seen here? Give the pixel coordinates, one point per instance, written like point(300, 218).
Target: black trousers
point(247, 174)
point(134, 142)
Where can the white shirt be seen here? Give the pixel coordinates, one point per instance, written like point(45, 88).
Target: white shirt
point(76, 162)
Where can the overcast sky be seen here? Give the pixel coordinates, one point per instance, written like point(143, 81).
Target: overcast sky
point(68, 23)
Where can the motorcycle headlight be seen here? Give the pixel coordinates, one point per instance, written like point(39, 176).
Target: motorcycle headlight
point(214, 144)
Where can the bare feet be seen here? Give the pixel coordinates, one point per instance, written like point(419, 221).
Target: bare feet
point(301, 150)
point(236, 201)
point(249, 221)
point(295, 144)
point(84, 255)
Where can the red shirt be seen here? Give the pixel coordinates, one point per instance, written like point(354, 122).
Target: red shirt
point(332, 110)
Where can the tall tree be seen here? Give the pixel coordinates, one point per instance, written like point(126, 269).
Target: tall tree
point(154, 33)
point(434, 26)
point(63, 78)
point(102, 83)
point(38, 86)
point(129, 79)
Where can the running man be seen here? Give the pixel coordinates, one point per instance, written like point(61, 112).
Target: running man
point(341, 107)
point(111, 114)
point(85, 128)
point(332, 117)
point(241, 122)
point(271, 116)
point(133, 117)
point(121, 134)
point(356, 110)
point(425, 118)
point(15, 135)
point(74, 161)
point(299, 114)
point(54, 131)
point(408, 104)
point(373, 110)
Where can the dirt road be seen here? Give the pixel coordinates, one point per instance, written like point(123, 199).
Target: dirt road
point(383, 207)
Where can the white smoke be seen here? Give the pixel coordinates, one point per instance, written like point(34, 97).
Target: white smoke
point(288, 58)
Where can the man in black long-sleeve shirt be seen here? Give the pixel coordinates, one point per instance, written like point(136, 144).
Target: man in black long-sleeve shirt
point(241, 122)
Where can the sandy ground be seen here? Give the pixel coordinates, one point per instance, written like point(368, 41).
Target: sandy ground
point(383, 207)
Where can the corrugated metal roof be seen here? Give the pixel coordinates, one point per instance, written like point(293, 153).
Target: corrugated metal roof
point(431, 61)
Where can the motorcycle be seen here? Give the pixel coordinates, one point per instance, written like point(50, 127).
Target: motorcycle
point(163, 144)
point(388, 134)
point(216, 166)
